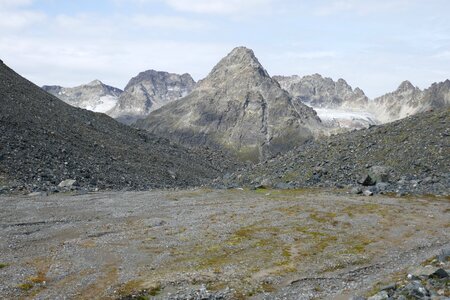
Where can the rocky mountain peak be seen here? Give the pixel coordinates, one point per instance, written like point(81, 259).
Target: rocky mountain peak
point(95, 95)
point(240, 62)
point(150, 90)
point(95, 82)
point(237, 107)
point(406, 86)
point(359, 92)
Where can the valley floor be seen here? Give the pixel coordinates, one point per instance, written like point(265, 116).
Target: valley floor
point(239, 244)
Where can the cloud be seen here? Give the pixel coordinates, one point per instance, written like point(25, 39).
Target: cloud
point(224, 7)
point(19, 19)
point(14, 3)
point(360, 7)
point(14, 14)
point(309, 54)
point(167, 22)
point(70, 62)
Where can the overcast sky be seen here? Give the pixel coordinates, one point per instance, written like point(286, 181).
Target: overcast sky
point(373, 44)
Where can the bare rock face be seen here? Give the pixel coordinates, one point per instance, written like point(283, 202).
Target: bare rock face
point(239, 107)
point(323, 92)
point(408, 100)
point(148, 91)
point(339, 106)
point(94, 96)
point(404, 101)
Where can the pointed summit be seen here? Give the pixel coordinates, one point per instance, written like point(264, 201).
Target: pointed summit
point(237, 107)
point(241, 55)
point(240, 62)
point(405, 86)
point(95, 82)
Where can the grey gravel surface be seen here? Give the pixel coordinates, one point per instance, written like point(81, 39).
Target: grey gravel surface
point(213, 244)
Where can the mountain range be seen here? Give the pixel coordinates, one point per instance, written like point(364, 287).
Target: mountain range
point(240, 108)
point(338, 105)
point(144, 93)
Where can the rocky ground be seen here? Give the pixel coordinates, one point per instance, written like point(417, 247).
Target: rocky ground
point(44, 141)
point(410, 156)
point(220, 244)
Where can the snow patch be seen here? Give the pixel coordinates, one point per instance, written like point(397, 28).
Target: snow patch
point(104, 104)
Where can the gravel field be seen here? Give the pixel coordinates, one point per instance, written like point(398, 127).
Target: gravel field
point(213, 244)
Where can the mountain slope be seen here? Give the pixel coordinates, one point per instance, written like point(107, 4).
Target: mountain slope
point(45, 141)
point(94, 96)
point(239, 107)
point(148, 91)
point(414, 150)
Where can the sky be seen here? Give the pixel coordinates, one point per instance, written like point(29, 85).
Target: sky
point(372, 44)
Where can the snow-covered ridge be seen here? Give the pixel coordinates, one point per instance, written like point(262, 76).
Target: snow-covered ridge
point(94, 96)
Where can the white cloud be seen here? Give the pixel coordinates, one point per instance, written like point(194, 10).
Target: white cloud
point(14, 3)
point(442, 55)
point(19, 19)
point(361, 7)
point(15, 15)
point(308, 54)
point(66, 61)
point(220, 6)
point(167, 22)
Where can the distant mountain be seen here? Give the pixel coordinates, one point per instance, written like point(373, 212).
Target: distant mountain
point(336, 103)
point(408, 100)
point(323, 92)
point(94, 96)
point(239, 107)
point(340, 106)
point(404, 101)
point(148, 91)
point(44, 141)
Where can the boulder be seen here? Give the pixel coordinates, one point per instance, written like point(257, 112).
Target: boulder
point(367, 180)
point(379, 173)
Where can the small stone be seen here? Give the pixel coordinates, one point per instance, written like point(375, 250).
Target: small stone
point(356, 191)
point(425, 271)
point(380, 296)
point(389, 287)
point(67, 183)
point(37, 194)
point(440, 274)
point(368, 193)
point(266, 182)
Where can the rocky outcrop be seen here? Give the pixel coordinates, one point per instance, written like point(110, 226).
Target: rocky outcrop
point(148, 91)
point(44, 141)
point(94, 96)
point(238, 107)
